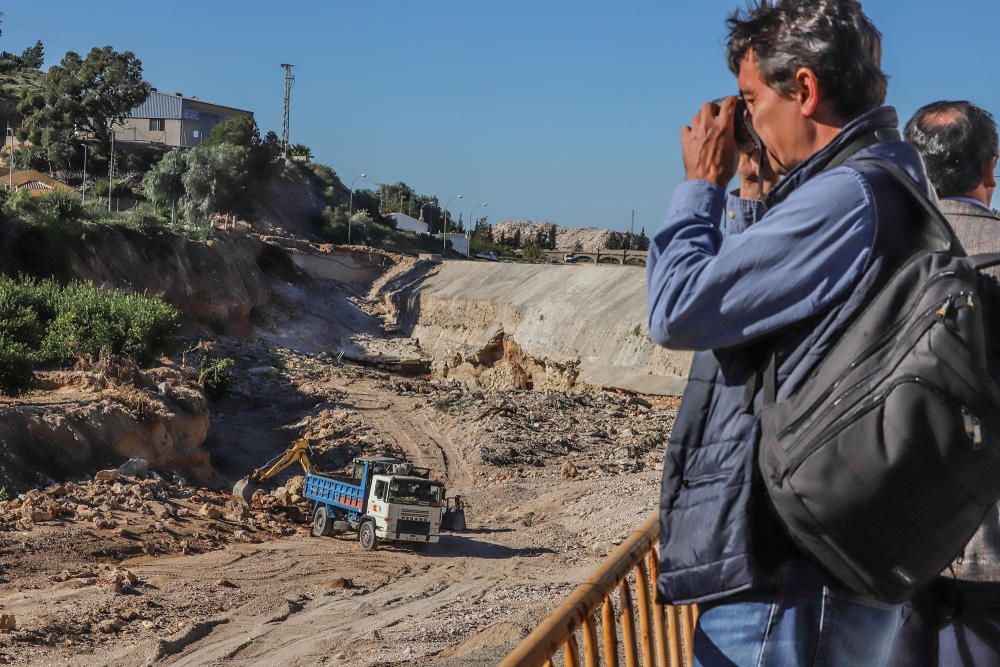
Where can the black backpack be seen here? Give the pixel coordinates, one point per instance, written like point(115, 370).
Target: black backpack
point(885, 462)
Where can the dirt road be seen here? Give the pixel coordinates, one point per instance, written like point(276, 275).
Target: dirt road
point(299, 599)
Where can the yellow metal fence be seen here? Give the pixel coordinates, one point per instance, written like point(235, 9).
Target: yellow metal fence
point(606, 601)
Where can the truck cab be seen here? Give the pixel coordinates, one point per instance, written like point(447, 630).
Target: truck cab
point(406, 508)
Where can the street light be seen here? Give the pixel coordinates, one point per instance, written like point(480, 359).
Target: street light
point(472, 221)
point(444, 226)
point(420, 216)
point(350, 209)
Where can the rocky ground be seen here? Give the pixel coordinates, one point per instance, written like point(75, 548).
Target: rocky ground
point(142, 566)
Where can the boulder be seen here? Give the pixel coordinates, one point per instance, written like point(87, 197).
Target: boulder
point(160, 510)
point(109, 625)
point(210, 511)
point(281, 495)
point(296, 485)
point(111, 475)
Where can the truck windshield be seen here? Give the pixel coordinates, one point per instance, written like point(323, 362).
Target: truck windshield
point(414, 492)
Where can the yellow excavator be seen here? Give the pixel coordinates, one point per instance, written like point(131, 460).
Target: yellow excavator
point(299, 452)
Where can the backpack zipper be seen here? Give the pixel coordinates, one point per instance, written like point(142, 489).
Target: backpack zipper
point(922, 322)
point(871, 349)
point(972, 424)
point(973, 428)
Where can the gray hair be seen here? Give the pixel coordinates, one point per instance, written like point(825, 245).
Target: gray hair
point(833, 38)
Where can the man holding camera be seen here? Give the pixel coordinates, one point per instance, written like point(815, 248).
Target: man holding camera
point(786, 283)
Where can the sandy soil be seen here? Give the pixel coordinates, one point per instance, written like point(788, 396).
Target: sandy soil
point(260, 590)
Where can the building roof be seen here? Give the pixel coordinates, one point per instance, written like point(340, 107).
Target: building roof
point(163, 105)
point(35, 182)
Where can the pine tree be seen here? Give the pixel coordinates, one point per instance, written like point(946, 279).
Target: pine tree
point(34, 56)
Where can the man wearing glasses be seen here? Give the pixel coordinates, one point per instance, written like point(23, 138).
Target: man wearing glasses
point(956, 621)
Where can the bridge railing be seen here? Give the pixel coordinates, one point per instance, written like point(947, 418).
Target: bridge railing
point(605, 604)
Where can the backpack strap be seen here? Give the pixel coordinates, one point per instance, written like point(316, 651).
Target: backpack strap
point(985, 261)
point(939, 237)
point(861, 142)
point(935, 226)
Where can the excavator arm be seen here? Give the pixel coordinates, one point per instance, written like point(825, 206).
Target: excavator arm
point(299, 452)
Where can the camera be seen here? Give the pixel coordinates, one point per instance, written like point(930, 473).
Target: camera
point(742, 128)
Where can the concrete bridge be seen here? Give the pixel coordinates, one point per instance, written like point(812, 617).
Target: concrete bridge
point(637, 257)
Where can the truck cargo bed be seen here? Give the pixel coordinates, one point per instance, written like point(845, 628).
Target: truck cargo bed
point(335, 492)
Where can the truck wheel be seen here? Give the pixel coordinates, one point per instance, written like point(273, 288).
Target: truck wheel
point(367, 537)
point(322, 523)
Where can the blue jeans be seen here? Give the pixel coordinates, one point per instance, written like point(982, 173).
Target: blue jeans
point(800, 621)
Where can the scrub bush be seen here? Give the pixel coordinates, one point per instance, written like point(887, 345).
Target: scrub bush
point(43, 323)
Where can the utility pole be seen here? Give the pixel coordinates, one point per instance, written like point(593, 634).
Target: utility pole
point(85, 173)
point(289, 80)
point(111, 167)
point(631, 231)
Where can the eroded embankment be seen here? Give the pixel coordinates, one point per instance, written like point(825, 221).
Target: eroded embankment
point(282, 289)
point(536, 326)
point(74, 422)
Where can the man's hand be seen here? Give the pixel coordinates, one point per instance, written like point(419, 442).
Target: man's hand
point(754, 173)
point(708, 144)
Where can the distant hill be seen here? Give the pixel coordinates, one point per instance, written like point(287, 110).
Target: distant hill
point(590, 239)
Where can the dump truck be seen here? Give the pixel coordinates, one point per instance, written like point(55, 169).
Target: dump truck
point(382, 499)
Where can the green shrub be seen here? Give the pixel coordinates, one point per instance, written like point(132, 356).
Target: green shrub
point(60, 206)
point(101, 185)
point(20, 203)
point(16, 376)
point(214, 375)
point(91, 321)
point(43, 323)
point(29, 157)
point(145, 221)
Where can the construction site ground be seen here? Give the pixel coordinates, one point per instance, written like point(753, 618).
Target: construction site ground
point(156, 569)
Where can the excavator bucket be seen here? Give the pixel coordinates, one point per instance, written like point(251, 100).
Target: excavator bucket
point(454, 519)
point(454, 515)
point(243, 490)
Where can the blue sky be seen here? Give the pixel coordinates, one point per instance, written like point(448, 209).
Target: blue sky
point(560, 111)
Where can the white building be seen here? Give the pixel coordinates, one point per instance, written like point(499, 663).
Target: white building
point(459, 243)
point(407, 223)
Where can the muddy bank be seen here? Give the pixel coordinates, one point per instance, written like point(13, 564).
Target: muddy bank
point(80, 421)
point(534, 326)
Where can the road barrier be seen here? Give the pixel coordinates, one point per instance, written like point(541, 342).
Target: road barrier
point(665, 632)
